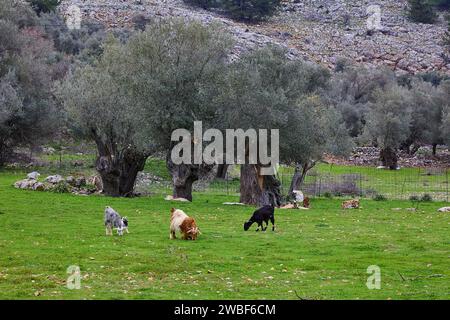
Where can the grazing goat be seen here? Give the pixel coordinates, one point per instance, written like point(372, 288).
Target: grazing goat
point(114, 220)
point(180, 221)
point(261, 215)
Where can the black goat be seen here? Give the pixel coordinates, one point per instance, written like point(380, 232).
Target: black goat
point(263, 214)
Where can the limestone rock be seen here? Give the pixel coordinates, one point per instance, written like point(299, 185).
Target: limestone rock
point(55, 179)
point(33, 175)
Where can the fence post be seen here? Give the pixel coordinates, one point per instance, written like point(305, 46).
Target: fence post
point(360, 184)
point(446, 182)
point(226, 182)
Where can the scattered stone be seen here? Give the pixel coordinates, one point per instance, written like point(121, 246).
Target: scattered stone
point(39, 186)
point(171, 198)
point(293, 206)
point(25, 184)
point(80, 182)
point(444, 209)
point(70, 180)
point(97, 182)
point(233, 204)
point(48, 150)
point(33, 175)
point(55, 179)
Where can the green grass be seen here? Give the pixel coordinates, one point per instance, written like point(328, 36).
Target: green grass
point(322, 253)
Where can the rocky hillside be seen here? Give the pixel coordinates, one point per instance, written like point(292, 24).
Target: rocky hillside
point(317, 30)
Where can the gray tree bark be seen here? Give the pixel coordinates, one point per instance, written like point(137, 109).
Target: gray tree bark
point(257, 189)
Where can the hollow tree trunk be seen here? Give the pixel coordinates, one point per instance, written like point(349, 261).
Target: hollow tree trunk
point(132, 163)
point(118, 170)
point(389, 158)
point(184, 176)
point(222, 171)
point(257, 189)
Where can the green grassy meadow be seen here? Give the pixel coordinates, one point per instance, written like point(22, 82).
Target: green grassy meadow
point(322, 253)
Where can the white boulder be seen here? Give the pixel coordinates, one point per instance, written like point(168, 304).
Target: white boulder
point(54, 179)
point(33, 175)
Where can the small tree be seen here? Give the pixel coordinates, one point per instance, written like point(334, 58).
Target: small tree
point(421, 11)
point(263, 91)
point(388, 122)
point(312, 131)
point(426, 115)
point(205, 4)
point(250, 10)
point(44, 6)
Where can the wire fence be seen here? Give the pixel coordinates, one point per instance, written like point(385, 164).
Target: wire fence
point(362, 182)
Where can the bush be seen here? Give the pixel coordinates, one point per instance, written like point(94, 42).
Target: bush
point(421, 11)
point(328, 195)
point(62, 187)
point(205, 4)
point(379, 197)
point(426, 198)
point(44, 6)
point(251, 10)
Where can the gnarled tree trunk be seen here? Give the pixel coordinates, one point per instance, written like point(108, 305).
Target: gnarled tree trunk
point(184, 176)
point(222, 171)
point(389, 158)
point(257, 189)
point(118, 170)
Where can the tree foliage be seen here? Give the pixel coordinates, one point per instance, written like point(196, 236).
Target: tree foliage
point(421, 11)
point(44, 6)
point(28, 66)
point(138, 93)
point(248, 10)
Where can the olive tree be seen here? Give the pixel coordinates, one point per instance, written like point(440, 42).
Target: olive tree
point(426, 116)
point(352, 88)
point(389, 121)
point(313, 129)
point(27, 70)
point(263, 92)
point(99, 104)
point(138, 93)
point(178, 71)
